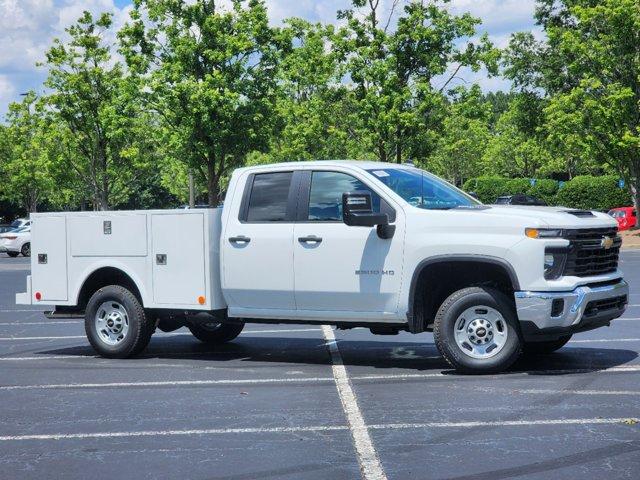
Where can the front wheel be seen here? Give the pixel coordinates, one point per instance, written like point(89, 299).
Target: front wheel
point(475, 330)
point(26, 250)
point(116, 324)
point(550, 346)
point(215, 333)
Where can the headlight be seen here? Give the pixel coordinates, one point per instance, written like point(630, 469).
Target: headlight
point(543, 232)
point(554, 260)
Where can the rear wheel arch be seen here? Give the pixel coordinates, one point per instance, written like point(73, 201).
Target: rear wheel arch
point(435, 278)
point(102, 277)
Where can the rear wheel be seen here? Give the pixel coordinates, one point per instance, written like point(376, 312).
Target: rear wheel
point(12, 254)
point(213, 332)
point(550, 346)
point(26, 250)
point(116, 324)
point(475, 330)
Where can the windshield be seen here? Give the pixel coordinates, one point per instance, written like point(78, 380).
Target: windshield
point(423, 190)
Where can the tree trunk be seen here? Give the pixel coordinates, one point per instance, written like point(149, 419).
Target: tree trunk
point(635, 194)
point(382, 153)
point(212, 182)
point(398, 145)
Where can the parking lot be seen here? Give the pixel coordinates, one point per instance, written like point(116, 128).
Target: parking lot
point(287, 402)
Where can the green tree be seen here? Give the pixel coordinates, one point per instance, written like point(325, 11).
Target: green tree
point(94, 111)
point(210, 75)
point(590, 67)
point(313, 106)
point(464, 137)
point(515, 148)
point(392, 70)
point(24, 155)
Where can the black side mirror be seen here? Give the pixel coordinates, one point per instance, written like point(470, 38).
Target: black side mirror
point(357, 211)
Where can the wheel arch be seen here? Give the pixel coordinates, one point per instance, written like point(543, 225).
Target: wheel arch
point(103, 275)
point(419, 312)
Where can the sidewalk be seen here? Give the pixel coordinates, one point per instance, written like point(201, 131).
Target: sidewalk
point(630, 239)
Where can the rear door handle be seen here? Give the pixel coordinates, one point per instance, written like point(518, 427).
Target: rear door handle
point(310, 239)
point(239, 239)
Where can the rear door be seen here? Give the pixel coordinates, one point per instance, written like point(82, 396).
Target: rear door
point(49, 257)
point(342, 268)
point(257, 243)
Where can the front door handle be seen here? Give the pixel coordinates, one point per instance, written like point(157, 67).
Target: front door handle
point(310, 239)
point(240, 239)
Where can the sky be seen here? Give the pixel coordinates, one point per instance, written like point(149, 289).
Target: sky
point(27, 28)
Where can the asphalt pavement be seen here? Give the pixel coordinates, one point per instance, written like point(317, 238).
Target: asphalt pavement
point(285, 402)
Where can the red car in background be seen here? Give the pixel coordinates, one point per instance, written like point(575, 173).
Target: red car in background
point(625, 216)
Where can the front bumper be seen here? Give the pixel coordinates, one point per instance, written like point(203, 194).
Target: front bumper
point(549, 315)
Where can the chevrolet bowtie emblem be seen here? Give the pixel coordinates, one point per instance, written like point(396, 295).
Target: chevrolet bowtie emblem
point(606, 243)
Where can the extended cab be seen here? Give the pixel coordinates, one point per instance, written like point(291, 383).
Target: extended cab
point(384, 246)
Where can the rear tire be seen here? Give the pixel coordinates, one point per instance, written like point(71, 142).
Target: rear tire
point(13, 254)
point(26, 250)
point(476, 331)
point(540, 348)
point(116, 324)
point(216, 333)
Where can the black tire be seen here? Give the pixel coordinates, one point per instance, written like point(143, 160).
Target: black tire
point(26, 250)
point(140, 326)
point(13, 254)
point(216, 333)
point(550, 346)
point(445, 325)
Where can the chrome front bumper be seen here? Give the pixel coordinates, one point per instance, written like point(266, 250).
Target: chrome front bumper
point(535, 307)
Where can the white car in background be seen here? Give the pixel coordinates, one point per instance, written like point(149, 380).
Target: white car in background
point(17, 242)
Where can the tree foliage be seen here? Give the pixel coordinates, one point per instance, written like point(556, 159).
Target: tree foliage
point(208, 86)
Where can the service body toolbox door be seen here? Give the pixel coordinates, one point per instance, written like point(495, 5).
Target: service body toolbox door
point(49, 257)
point(178, 258)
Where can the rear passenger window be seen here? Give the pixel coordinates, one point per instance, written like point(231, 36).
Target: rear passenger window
point(268, 197)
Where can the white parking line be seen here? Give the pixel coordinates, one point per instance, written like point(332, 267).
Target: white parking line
point(370, 465)
point(604, 340)
point(75, 337)
point(321, 428)
point(258, 381)
point(23, 310)
point(57, 322)
point(536, 391)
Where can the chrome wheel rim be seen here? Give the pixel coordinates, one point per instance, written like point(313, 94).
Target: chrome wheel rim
point(112, 323)
point(481, 332)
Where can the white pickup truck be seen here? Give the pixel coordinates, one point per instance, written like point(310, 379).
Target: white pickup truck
point(353, 244)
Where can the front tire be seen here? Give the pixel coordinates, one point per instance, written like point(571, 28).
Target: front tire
point(550, 346)
point(116, 324)
point(476, 331)
point(216, 333)
point(26, 250)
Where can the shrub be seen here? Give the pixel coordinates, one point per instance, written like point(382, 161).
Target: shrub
point(546, 189)
point(487, 188)
point(593, 193)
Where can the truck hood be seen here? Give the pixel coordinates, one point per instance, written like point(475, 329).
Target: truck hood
point(554, 217)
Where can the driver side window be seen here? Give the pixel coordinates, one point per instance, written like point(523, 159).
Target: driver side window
point(325, 195)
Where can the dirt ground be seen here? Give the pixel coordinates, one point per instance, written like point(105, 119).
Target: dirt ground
point(630, 238)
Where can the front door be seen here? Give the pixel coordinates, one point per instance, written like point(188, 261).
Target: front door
point(257, 245)
point(342, 268)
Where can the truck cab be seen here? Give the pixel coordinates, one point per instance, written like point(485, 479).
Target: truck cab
point(348, 243)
